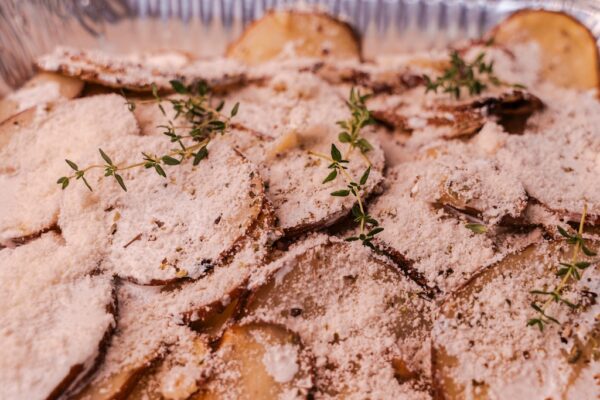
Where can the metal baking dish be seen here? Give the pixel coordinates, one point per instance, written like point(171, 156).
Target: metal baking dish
point(29, 28)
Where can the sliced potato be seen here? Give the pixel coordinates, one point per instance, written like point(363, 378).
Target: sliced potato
point(31, 198)
point(303, 34)
point(373, 80)
point(42, 88)
point(137, 74)
point(483, 348)
point(295, 178)
point(435, 247)
point(119, 385)
point(259, 361)
point(569, 53)
point(510, 109)
point(218, 204)
point(178, 375)
point(56, 320)
point(322, 290)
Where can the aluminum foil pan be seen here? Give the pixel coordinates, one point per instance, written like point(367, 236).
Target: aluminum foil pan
point(29, 28)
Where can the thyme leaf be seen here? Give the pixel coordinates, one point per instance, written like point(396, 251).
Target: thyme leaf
point(477, 228)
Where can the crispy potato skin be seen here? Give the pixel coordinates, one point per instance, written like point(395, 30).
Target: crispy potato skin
point(269, 36)
point(570, 56)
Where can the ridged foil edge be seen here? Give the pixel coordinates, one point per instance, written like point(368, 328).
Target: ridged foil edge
point(29, 28)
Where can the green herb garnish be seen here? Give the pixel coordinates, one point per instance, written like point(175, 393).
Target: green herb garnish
point(568, 272)
point(474, 77)
point(351, 135)
point(201, 123)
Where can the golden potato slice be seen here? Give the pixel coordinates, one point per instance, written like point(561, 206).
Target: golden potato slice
point(305, 34)
point(42, 88)
point(259, 361)
point(178, 375)
point(483, 347)
point(119, 385)
point(569, 53)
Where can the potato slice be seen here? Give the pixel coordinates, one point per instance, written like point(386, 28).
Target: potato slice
point(433, 246)
point(138, 73)
point(295, 178)
point(55, 320)
point(42, 88)
point(119, 385)
point(511, 109)
point(483, 348)
point(366, 323)
point(34, 157)
point(215, 205)
point(259, 361)
point(178, 375)
point(304, 34)
point(569, 53)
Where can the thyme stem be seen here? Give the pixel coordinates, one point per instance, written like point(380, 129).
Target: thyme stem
point(568, 271)
point(351, 129)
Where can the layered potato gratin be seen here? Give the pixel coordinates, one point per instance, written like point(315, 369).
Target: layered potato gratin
point(292, 220)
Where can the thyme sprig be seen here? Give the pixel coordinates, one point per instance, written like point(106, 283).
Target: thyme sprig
point(201, 124)
point(568, 271)
point(475, 76)
point(360, 117)
point(351, 136)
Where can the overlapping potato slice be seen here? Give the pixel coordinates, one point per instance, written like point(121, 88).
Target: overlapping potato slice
point(212, 302)
point(366, 324)
point(33, 157)
point(374, 79)
point(259, 361)
point(147, 328)
point(569, 55)
point(120, 384)
point(295, 33)
point(181, 226)
point(276, 127)
point(483, 348)
point(148, 352)
point(56, 321)
point(511, 109)
point(108, 70)
point(43, 88)
point(556, 160)
point(138, 73)
point(290, 101)
point(434, 246)
point(295, 177)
